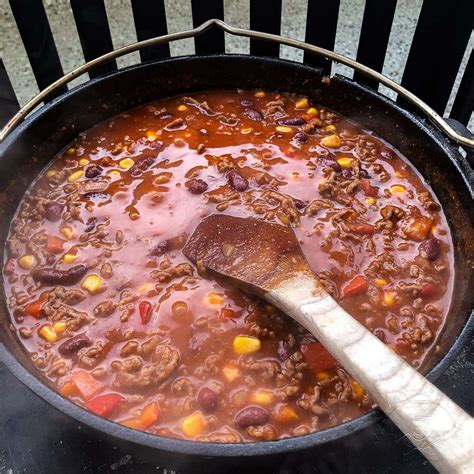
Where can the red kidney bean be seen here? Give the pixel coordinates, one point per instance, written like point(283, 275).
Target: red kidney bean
point(346, 173)
point(10, 266)
point(138, 168)
point(301, 137)
point(291, 121)
point(363, 173)
point(333, 165)
point(53, 211)
point(299, 203)
point(164, 115)
point(237, 181)
point(196, 186)
point(93, 171)
point(430, 249)
point(387, 153)
point(207, 399)
point(252, 415)
point(74, 344)
point(160, 249)
point(381, 335)
point(253, 114)
point(55, 276)
point(246, 103)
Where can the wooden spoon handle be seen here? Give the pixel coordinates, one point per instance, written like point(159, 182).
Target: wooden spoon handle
point(439, 428)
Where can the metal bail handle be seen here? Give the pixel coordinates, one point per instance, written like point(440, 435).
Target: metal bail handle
point(437, 119)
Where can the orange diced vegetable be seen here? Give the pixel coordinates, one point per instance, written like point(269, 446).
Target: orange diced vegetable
point(362, 229)
point(54, 244)
point(86, 385)
point(355, 287)
point(68, 389)
point(194, 424)
point(148, 416)
point(317, 357)
point(418, 228)
point(285, 414)
point(34, 308)
point(103, 405)
point(228, 313)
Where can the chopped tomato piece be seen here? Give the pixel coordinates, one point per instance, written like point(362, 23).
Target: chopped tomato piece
point(317, 357)
point(362, 229)
point(148, 416)
point(34, 308)
point(54, 244)
point(228, 313)
point(103, 405)
point(355, 287)
point(144, 308)
point(418, 228)
point(10, 266)
point(68, 389)
point(429, 290)
point(87, 385)
point(368, 189)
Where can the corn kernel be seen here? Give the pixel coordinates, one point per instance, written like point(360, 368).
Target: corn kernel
point(93, 284)
point(260, 94)
point(389, 298)
point(344, 162)
point(312, 111)
point(399, 174)
point(150, 134)
point(126, 163)
point(380, 282)
point(145, 288)
point(214, 299)
point(67, 232)
point(182, 108)
point(330, 128)
point(246, 344)
point(246, 131)
point(284, 129)
point(114, 173)
point(322, 375)
point(331, 141)
point(71, 151)
point(50, 173)
point(262, 397)
point(69, 258)
point(370, 201)
point(27, 262)
point(47, 332)
point(83, 162)
point(285, 414)
point(75, 176)
point(231, 373)
point(194, 424)
point(357, 389)
point(398, 188)
point(59, 327)
point(302, 103)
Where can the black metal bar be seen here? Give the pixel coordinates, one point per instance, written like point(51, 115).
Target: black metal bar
point(212, 41)
point(440, 40)
point(8, 101)
point(36, 35)
point(464, 102)
point(375, 32)
point(150, 21)
point(265, 15)
point(321, 25)
point(94, 32)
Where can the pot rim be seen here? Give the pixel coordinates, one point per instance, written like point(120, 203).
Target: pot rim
point(209, 449)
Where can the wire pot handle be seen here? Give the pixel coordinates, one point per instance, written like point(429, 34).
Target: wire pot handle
point(407, 95)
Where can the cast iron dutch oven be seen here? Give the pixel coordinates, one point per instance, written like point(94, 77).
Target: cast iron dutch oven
point(28, 149)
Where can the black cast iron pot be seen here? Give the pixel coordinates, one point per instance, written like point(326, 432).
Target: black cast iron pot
point(32, 145)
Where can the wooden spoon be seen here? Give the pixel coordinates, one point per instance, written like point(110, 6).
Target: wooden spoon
point(266, 259)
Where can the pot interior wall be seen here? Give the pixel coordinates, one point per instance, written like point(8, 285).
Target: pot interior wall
point(35, 142)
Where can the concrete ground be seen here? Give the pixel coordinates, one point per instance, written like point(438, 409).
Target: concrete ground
point(179, 17)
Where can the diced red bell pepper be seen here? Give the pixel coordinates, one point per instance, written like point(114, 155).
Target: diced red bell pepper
point(148, 416)
point(368, 189)
point(317, 357)
point(145, 308)
point(418, 228)
point(103, 405)
point(34, 308)
point(355, 287)
point(86, 385)
point(363, 229)
point(10, 266)
point(228, 313)
point(429, 290)
point(54, 244)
